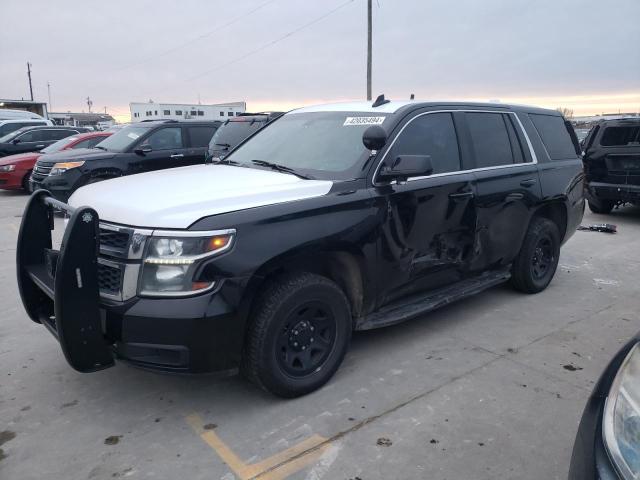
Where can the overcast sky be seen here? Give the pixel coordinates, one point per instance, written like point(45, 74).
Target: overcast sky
point(583, 54)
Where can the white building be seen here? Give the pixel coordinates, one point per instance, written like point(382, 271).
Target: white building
point(191, 111)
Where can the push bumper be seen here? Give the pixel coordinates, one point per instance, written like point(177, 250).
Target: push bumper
point(614, 191)
point(61, 290)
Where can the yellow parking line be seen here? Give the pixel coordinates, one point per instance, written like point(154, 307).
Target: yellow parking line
point(276, 467)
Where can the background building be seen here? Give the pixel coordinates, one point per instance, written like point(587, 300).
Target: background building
point(97, 120)
point(176, 111)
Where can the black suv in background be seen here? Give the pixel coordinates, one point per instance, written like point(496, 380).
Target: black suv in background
point(612, 164)
point(33, 139)
point(136, 148)
point(235, 131)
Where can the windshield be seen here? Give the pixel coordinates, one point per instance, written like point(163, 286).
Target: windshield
point(59, 145)
point(122, 139)
point(324, 145)
point(231, 133)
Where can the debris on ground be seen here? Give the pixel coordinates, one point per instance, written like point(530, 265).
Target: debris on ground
point(112, 440)
point(384, 442)
point(600, 227)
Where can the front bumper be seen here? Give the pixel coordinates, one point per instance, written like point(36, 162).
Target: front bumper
point(12, 180)
point(61, 290)
point(624, 192)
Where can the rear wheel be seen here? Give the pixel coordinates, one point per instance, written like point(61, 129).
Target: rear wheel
point(536, 263)
point(298, 336)
point(601, 206)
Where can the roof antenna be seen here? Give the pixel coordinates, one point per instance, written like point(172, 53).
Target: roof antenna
point(412, 97)
point(380, 101)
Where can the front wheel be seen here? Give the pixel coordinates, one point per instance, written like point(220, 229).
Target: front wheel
point(536, 263)
point(298, 336)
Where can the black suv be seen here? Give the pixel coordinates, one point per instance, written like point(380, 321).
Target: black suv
point(136, 148)
point(612, 164)
point(235, 130)
point(33, 139)
point(330, 219)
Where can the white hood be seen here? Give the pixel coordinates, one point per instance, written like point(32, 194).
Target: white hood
point(178, 197)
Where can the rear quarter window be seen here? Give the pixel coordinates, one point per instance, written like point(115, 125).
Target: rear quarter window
point(554, 135)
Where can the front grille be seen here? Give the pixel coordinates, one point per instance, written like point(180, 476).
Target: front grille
point(114, 240)
point(109, 279)
point(41, 170)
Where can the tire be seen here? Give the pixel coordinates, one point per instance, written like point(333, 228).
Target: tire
point(601, 206)
point(298, 336)
point(536, 263)
point(25, 182)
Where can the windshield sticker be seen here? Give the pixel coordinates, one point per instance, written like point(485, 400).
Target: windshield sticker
point(363, 121)
point(132, 135)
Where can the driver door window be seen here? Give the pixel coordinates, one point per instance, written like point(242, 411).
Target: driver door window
point(432, 134)
point(165, 139)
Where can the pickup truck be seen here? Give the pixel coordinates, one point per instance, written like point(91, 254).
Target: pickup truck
point(329, 220)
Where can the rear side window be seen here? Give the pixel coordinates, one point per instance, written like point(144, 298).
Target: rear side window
point(554, 135)
point(13, 126)
point(433, 134)
point(200, 136)
point(490, 139)
point(58, 134)
point(620, 136)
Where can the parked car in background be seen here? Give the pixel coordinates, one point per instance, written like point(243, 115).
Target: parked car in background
point(612, 164)
point(330, 219)
point(15, 170)
point(607, 445)
point(34, 139)
point(137, 148)
point(236, 130)
point(9, 114)
point(8, 126)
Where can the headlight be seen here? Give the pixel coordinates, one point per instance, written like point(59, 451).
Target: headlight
point(7, 168)
point(62, 167)
point(171, 262)
point(621, 422)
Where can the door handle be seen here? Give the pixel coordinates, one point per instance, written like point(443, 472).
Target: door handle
point(457, 196)
point(529, 182)
point(177, 155)
point(513, 197)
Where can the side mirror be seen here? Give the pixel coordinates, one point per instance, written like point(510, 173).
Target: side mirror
point(403, 167)
point(16, 141)
point(141, 150)
point(374, 137)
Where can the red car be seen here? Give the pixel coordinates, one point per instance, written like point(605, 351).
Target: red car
point(16, 169)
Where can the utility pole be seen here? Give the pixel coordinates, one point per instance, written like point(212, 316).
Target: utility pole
point(89, 104)
point(105, 110)
point(49, 94)
point(369, 50)
point(29, 75)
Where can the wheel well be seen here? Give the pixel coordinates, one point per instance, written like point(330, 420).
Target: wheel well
point(341, 267)
point(557, 213)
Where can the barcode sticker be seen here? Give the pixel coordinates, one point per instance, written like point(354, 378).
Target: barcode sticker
point(363, 121)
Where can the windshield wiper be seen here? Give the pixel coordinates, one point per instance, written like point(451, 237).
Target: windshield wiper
point(225, 145)
point(281, 168)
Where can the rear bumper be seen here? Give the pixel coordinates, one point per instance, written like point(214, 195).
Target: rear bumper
point(197, 334)
point(614, 191)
